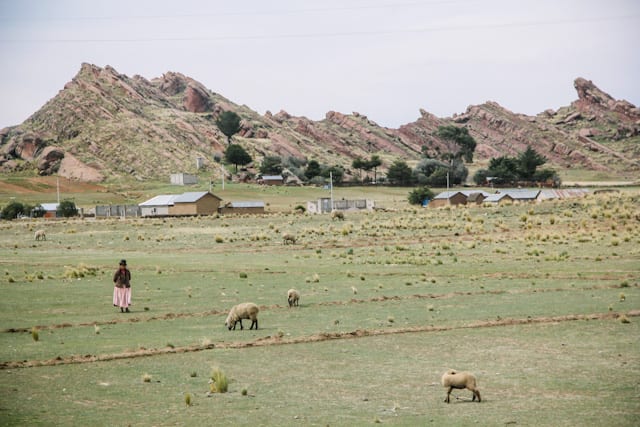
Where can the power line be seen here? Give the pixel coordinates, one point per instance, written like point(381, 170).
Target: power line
point(330, 34)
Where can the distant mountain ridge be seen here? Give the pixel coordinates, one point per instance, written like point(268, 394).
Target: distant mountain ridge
point(104, 125)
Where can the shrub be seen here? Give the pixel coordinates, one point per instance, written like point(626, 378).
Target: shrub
point(146, 378)
point(34, 334)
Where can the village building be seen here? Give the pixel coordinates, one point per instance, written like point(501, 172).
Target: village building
point(323, 205)
point(271, 180)
point(498, 199)
point(449, 198)
point(185, 204)
point(246, 207)
point(183, 179)
point(50, 209)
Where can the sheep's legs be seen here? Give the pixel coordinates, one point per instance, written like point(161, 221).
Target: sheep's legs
point(448, 393)
point(254, 322)
point(476, 393)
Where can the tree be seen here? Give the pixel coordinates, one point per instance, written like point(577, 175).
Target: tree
point(271, 165)
point(399, 173)
point(13, 210)
point(528, 162)
point(359, 164)
point(67, 208)
point(236, 155)
point(373, 163)
point(461, 137)
point(336, 172)
point(418, 195)
point(313, 169)
point(229, 124)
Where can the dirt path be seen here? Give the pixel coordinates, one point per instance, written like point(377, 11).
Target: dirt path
point(171, 316)
point(276, 340)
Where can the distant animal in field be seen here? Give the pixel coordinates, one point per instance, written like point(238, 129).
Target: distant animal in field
point(337, 215)
point(460, 380)
point(293, 297)
point(288, 238)
point(245, 310)
point(40, 235)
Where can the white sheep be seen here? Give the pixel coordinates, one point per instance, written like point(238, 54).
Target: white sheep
point(288, 238)
point(293, 297)
point(460, 380)
point(40, 235)
point(246, 310)
point(337, 215)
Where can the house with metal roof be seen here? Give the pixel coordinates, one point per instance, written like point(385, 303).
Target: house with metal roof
point(50, 209)
point(521, 195)
point(195, 203)
point(190, 203)
point(243, 207)
point(271, 180)
point(447, 198)
point(498, 199)
point(157, 206)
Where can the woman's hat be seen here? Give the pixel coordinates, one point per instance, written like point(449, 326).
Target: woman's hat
point(123, 262)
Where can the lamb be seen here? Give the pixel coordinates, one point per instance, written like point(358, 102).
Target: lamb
point(293, 297)
point(288, 238)
point(40, 235)
point(337, 215)
point(246, 310)
point(460, 380)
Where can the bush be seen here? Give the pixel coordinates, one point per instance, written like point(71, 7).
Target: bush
point(13, 210)
point(67, 208)
point(418, 195)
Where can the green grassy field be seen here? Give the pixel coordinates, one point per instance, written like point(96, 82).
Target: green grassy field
point(540, 301)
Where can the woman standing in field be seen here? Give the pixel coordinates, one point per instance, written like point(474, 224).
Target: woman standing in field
point(122, 289)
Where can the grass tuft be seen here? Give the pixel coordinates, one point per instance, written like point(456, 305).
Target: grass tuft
point(218, 383)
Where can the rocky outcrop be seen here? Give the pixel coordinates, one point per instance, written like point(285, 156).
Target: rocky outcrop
point(196, 100)
point(107, 124)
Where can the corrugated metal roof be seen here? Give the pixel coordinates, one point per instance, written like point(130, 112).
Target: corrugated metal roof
point(467, 193)
point(190, 197)
point(521, 194)
point(247, 204)
point(49, 206)
point(161, 200)
point(446, 195)
point(495, 198)
point(272, 177)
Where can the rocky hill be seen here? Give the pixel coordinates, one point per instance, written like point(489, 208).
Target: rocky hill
point(104, 125)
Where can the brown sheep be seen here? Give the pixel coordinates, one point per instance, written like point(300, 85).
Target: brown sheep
point(40, 235)
point(288, 238)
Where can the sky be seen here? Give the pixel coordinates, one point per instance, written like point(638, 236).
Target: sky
point(384, 59)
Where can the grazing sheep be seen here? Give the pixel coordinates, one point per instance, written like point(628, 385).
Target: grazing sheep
point(337, 215)
point(40, 235)
point(460, 380)
point(246, 310)
point(293, 297)
point(288, 238)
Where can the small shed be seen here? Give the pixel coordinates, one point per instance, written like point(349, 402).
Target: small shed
point(195, 203)
point(247, 207)
point(448, 198)
point(271, 180)
point(498, 199)
point(183, 179)
point(477, 197)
